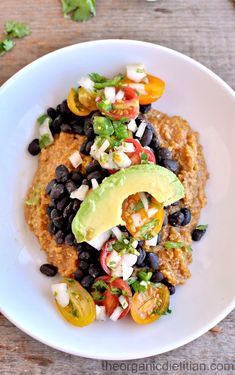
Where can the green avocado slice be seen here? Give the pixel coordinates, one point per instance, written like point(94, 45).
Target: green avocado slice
point(102, 208)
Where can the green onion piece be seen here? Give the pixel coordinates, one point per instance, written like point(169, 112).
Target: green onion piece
point(146, 276)
point(106, 83)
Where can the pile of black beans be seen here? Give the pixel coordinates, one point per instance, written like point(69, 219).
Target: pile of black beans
point(62, 119)
point(62, 208)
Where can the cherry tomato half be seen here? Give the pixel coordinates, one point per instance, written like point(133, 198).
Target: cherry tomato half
point(153, 89)
point(103, 255)
point(150, 305)
point(128, 107)
point(75, 106)
point(150, 222)
point(136, 155)
point(111, 301)
point(87, 99)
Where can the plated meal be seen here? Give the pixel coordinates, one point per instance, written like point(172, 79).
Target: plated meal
point(116, 199)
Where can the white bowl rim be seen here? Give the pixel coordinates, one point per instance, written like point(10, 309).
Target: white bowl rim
point(205, 327)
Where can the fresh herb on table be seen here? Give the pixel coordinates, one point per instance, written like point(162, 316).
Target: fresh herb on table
point(79, 10)
point(12, 30)
point(177, 245)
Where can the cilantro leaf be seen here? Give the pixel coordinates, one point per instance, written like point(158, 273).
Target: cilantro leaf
point(144, 158)
point(15, 29)
point(177, 245)
point(146, 276)
point(41, 119)
point(79, 10)
point(116, 291)
point(44, 141)
point(100, 286)
point(202, 227)
point(146, 230)
point(97, 78)
point(6, 45)
point(34, 197)
point(137, 287)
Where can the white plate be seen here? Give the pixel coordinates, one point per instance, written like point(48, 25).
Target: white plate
point(193, 92)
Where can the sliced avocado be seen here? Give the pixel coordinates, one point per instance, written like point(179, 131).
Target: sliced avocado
point(102, 208)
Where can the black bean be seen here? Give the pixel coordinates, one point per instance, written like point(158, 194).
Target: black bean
point(50, 185)
point(85, 255)
point(146, 139)
point(83, 265)
point(51, 228)
point(93, 166)
point(187, 216)
point(169, 286)
point(59, 237)
point(144, 108)
point(88, 126)
point(76, 204)
point(88, 147)
point(68, 210)
point(62, 173)
point(58, 222)
point(140, 243)
point(34, 148)
point(159, 238)
point(90, 133)
point(48, 269)
point(78, 275)
point(87, 281)
point(52, 113)
point(69, 239)
point(62, 203)
point(58, 121)
point(176, 219)
point(170, 164)
point(66, 128)
point(175, 203)
point(77, 177)
point(79, 246)
point(64, 107)
point(71, 217)
point(153, 261)
point(157, 277)
point(77, 128)
point(94, 270)
point(70, 186)
point(55, 213)
point(56, 191)
point(197, 234)
point(97, 175)
point(165, 221)
point(48, 210)
point(83, 147)
point(139, 119)
point(86, 182)
point(163, 153)
point(141, 257)
point(155, 142)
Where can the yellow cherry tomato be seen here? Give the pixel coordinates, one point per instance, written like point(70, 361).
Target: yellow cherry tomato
point(154, 89)
point(87, 99)
point(148, 306)
point(75, 106)
point(81, 309)
point(140, 223)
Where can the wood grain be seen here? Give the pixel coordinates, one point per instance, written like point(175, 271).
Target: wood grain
point(204, 30)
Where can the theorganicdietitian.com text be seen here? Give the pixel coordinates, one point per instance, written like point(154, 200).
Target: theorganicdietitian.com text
point(157, 367)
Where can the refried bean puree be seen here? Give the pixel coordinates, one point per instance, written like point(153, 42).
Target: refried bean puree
point(173, 133)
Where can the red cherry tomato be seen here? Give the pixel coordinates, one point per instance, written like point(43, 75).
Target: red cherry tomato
point(103, 255)
point(111, 301)
point(135, 155)
point(128, 107)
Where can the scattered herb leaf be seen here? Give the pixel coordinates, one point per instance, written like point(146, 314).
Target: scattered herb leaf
point(79, 10)
point(42, 118)
point(6, 45)
point(44, 141)
point(15, 29)
point(146, 276)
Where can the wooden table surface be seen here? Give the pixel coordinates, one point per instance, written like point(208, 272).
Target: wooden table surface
point(204, 30)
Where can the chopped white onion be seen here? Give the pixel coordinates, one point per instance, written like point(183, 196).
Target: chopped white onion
point(102, 148)
point(113, 259)
point(144, 200)
point(137, 221)
point(106, 161)
point(75, 159)
point(110, 94)
point(139, 87)
point(141, 129)
point(123, 302)
point(152, 211)
point(152, 241)
point(129, 259)
point(100, 313)
point(121, 159)
point(126, 271)
point(118, 272)
point(80, 193)
point(117, 232)
point(116, 313)
point(132, 126)
point(98, 241)
point(136, 72)
point(60, 292)
point(126, 147)
point(144, 283)
point(120, 95)
point(86, 83)
point(94, 183)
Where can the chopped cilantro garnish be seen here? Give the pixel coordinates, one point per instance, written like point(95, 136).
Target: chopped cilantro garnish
point(6, 45)
point(42, 118)
point(146, 230)
point(116, 291)
point(121, 131)
point(202, 227)
point(102, 82)
point(16, 29)
point(100, 286)
point(139, 206)
point(79, 10)
point(144, 158)
point(146, 276)
point(34, 197)
point(124, 246)
point(177, 245)
point(137, 287)
point(44, 141)
point(97, 296)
